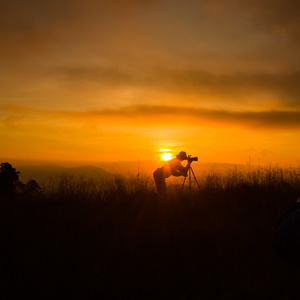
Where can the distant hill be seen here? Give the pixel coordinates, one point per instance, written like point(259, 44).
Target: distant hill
point(42, 173)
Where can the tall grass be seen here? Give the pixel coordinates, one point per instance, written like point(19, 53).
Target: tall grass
point(275, 177)
point(66, 187)
point(94, 236)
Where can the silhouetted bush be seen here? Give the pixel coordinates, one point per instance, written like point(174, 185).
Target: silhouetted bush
point(30, 190)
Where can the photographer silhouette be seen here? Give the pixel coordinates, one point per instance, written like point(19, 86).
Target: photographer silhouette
point(172, 167)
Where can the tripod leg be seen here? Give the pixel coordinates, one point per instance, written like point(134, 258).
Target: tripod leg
point(189, 174)
point(195, 178)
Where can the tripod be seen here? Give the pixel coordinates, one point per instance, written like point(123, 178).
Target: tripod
point(190, 172)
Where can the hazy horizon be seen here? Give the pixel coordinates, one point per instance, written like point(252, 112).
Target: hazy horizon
point(43, 171)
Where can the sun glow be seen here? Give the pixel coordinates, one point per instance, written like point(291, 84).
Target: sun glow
point(166, 156)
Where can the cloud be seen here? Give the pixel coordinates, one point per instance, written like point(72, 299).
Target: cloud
point(278, 16)
point(214, 54)
point(198, 86)
point(282, 16)
point(281, 89)
point(51, 28)
point(164, 114)
point(143, 30)
point(147, 115)
point(29, 27)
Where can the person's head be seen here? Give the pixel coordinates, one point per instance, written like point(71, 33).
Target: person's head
point(182, 156)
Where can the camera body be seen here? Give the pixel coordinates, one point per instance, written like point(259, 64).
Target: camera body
point(191, 159)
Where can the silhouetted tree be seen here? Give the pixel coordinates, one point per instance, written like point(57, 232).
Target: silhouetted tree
point(20, 187)
point(30, 190)
point(8, 177)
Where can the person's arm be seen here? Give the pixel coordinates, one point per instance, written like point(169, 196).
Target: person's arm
point(182, 170)
point(176, 174)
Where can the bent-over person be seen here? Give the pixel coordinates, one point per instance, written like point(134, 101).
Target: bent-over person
point(172, 167)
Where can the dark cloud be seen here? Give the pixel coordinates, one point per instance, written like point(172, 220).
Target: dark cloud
point(30, 26)
point(101, 75)
point(179, 115)
point(279, 16)
point(282, 16)
point(141, 29)
point(44, 28)
point(230, 51)
point(155, 115)
point(281, 88)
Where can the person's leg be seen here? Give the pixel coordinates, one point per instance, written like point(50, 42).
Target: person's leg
point(163, 188)
point(160, 183)
point(156, 179)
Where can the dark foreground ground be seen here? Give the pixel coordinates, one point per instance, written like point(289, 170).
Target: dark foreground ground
point(216, 245)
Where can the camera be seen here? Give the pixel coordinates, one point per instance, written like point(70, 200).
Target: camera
point(190, 159)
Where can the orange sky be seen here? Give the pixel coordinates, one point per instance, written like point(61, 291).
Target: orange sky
point(115, 80)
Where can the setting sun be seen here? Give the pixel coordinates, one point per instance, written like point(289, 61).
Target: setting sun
point(166, 156)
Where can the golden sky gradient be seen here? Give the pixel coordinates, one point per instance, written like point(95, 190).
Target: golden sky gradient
point(116, 80)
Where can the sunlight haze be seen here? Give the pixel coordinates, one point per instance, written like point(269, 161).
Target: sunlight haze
point(115, 80)
point(166, 156)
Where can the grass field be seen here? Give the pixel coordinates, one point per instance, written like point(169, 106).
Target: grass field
point(114, 238)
